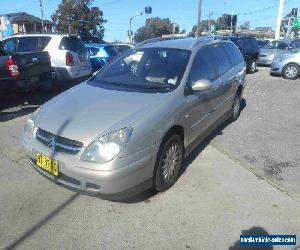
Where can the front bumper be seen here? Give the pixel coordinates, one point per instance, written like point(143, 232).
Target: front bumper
point(123, 176)
point(265, 60)
point(276, 68)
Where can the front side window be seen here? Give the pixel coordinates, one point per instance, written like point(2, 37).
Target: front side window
point(203, 67)
point(151, 68)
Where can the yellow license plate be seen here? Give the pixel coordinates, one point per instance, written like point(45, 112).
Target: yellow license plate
point(46, 163)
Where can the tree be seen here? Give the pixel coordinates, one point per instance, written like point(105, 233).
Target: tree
point(284, 25)
point(245, 26)
point(204, 26)
point(154, 27)
point(222, 23)
point(81, 17)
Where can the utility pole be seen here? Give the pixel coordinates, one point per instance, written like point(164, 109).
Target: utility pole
point(231, 20)
point(42, 12)
point(279, 18)
point(198, 32)
point(209, 24)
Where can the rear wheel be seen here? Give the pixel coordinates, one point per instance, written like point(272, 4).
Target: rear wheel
point(236, 108)
point(168, 163)
point(252, 67)
point(291, 71)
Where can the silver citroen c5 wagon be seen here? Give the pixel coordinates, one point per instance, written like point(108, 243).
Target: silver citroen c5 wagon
point(129, 128)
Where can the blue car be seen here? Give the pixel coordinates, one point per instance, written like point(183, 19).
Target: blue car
point(101, 54)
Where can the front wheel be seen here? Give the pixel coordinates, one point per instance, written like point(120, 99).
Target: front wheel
point(291, 71)
point(168, 163)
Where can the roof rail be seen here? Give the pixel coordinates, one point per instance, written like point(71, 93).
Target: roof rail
point(157, 39)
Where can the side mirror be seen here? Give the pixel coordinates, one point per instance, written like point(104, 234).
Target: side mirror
point(201, 85)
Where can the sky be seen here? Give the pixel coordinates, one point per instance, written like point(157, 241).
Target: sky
point(183, 12)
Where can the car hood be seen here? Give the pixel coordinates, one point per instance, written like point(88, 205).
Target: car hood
point(86, 112)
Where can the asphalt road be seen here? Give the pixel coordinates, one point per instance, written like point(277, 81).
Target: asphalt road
point(267, 134)
point(215, 200)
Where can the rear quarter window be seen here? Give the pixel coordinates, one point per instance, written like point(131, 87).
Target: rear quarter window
point(72, 43)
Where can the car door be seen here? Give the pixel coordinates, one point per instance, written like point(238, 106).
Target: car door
point(223, 85)
point(200, 104)
point(234, 77)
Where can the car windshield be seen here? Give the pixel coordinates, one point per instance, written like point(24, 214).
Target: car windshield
point(277, 45)
point(146, 69)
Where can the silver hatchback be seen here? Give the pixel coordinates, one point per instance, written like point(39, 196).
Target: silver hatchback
point(129, 128)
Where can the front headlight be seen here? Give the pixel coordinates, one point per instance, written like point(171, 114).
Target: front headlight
point(30, 124)
point(107, 147)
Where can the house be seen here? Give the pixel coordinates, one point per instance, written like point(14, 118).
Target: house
point(264, 29)
point(23, 22)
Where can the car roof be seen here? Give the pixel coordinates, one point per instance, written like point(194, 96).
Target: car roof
point(182, 43)
point(97, 45)
point(47, 35)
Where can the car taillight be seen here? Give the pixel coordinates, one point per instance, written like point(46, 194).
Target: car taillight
point(108, 60)
point(12, 67)
point(69, 59)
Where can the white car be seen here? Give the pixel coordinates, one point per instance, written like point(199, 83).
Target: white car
point(69, 57)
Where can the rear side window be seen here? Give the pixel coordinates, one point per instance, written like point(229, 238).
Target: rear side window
point(203, 67)
point(111, 50)
point(234, 54)
point(220, 58)
point(72, 43)
point(26, 44)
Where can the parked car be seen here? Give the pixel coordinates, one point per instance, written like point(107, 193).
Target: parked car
point(287, 64)
point(267, 53)
point(249, 49)
point(101, 54)
point(262, 43)
point(123, 131)
point(122, 47)
point(23, 70)
point(69, 57)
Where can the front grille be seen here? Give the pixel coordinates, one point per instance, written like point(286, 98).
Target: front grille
point(57, 142)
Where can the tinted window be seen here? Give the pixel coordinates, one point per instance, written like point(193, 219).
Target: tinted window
point(254, 44)
point(10, 45)
point(72, 43)
point(43, 42)
point(221, 59)
point(28, 44)
point(123, 48)
point(246, 44)
point(203, 67)
point(233, 53)
point(2, 53)
point(111, 50)
point(296, 45)
point(93, 51)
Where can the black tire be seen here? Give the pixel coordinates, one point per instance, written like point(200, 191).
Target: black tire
point(290, 71)
point(48, 85)
point(236, 108)
point(252, 67)
point(160, 180)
